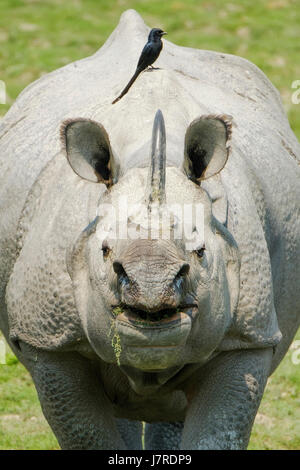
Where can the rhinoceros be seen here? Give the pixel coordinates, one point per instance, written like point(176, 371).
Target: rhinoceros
point(177, 332)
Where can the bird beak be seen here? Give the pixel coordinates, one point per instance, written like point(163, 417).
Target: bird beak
point(163, 33)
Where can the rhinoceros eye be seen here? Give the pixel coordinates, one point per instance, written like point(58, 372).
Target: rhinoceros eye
point(105, 249)
point(200, 251)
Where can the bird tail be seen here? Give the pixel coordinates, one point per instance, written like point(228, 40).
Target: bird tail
point(129, 84)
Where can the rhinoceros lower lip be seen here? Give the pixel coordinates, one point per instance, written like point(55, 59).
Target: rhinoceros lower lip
point(160, 318)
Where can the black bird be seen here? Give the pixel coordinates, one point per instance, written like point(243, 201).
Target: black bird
point(149, 55)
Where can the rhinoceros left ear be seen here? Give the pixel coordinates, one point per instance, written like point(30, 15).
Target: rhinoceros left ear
point(207, 145)
point(88, 150)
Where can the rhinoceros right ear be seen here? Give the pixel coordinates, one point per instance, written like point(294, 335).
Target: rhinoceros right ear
point(206, 146)
point(88, 150)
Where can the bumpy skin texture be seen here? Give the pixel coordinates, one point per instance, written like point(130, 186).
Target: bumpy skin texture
point(223, 407)
point(57, 290)
point(74, 403)
point(131, 432)
point(163, 436)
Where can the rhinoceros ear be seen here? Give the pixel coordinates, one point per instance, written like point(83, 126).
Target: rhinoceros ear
point(206, 148)
point(88, 150)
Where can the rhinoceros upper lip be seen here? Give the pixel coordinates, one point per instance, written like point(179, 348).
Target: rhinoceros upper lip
point(161, 317)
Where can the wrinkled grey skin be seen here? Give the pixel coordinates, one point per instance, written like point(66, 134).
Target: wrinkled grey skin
point(196, 377)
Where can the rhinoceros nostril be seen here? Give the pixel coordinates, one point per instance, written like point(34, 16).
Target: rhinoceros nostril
point(179, 278)
point(118, 268)
point(183, 271)
point(120, 271)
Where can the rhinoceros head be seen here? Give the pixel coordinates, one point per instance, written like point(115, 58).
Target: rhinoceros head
point(155, 274)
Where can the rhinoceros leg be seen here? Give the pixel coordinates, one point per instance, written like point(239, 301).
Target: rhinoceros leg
point(74, 403)
point(163, 436)
point(131, 432)
point(224, 402)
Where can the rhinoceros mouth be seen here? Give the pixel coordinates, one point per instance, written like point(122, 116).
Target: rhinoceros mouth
point(160, 318)
point(153, 340)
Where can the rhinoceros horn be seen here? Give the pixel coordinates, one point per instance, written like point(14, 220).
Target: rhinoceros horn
point(157, 173)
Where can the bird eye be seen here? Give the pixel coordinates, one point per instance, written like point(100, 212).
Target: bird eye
point(105, 249)
point(200, 251)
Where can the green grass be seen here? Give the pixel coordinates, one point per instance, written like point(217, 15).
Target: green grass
point(22, 425)
point(38, 36)
point(277, 425)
